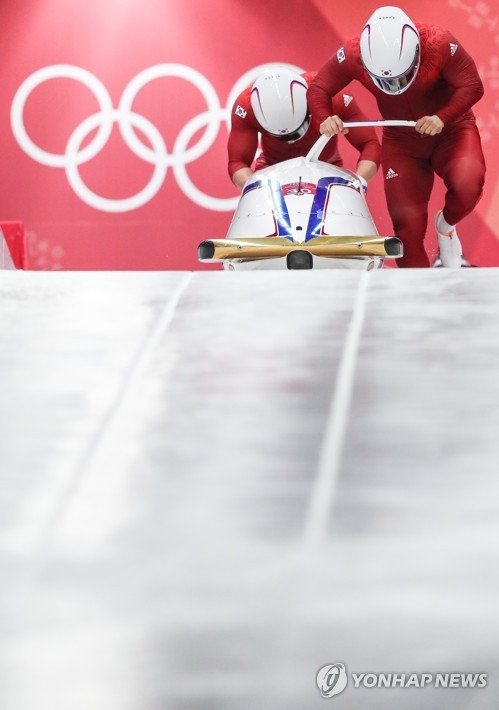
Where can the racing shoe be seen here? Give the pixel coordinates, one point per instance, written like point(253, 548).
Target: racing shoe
point(451, 251)
point(437, 264)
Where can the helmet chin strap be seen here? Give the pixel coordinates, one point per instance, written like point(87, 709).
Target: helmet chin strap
point(299, 133)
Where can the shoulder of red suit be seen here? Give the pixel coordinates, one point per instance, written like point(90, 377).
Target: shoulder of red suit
point(424, 29)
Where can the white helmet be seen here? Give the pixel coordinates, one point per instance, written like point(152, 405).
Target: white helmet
point(279, 102)
point(389, 49)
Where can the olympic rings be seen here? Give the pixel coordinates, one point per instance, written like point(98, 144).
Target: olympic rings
point(102, 203)
point(156, 154)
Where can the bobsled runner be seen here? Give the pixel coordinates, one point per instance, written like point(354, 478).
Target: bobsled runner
point(304, 213)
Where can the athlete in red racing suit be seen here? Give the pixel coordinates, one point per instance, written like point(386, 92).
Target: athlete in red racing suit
point(243, 139)
point(446, 140)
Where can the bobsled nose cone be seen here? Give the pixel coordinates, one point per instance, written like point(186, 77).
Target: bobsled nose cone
point(300, 259)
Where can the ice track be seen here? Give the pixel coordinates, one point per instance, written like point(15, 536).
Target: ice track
point(213, 484)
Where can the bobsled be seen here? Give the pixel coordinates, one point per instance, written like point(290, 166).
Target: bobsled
point(303, 213)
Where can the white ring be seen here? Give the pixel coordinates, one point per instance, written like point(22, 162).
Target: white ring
point(217, 204)
point(66, 71)
point(161, 71)
point(103, 203)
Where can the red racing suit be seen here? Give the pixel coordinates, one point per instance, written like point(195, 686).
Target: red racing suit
point(243, 138)
point(447, 85)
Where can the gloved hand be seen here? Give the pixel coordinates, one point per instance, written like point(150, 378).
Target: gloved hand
point(363, 182)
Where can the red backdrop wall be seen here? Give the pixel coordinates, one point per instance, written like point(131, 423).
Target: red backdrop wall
point(113, 118)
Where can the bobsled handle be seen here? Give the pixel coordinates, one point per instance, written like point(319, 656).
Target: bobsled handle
point(319, 145)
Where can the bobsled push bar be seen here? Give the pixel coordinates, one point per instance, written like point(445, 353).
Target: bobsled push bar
point(215, 250)
point(320, 143)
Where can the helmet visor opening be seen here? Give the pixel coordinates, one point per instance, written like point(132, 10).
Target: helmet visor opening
point(398, 84)
point(296, 135)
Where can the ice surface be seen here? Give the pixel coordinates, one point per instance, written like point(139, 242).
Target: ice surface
point(213, 484)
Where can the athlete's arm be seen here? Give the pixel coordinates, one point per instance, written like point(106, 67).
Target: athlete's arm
point(366, 169)
point(240, 176)
point(242, 146)
point(334, 75)
point(364, 139)
point(460, 71)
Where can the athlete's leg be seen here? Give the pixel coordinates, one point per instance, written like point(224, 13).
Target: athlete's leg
point(458, 160)
point(408, 184)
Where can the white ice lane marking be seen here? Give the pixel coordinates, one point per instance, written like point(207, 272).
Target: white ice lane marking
point(323, 492)
point(104, 431)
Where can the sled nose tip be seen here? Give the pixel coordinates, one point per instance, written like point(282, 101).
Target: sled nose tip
point(299, 259)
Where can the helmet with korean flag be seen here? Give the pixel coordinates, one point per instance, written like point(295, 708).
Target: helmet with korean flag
point(390, 49)
point(279, 102)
